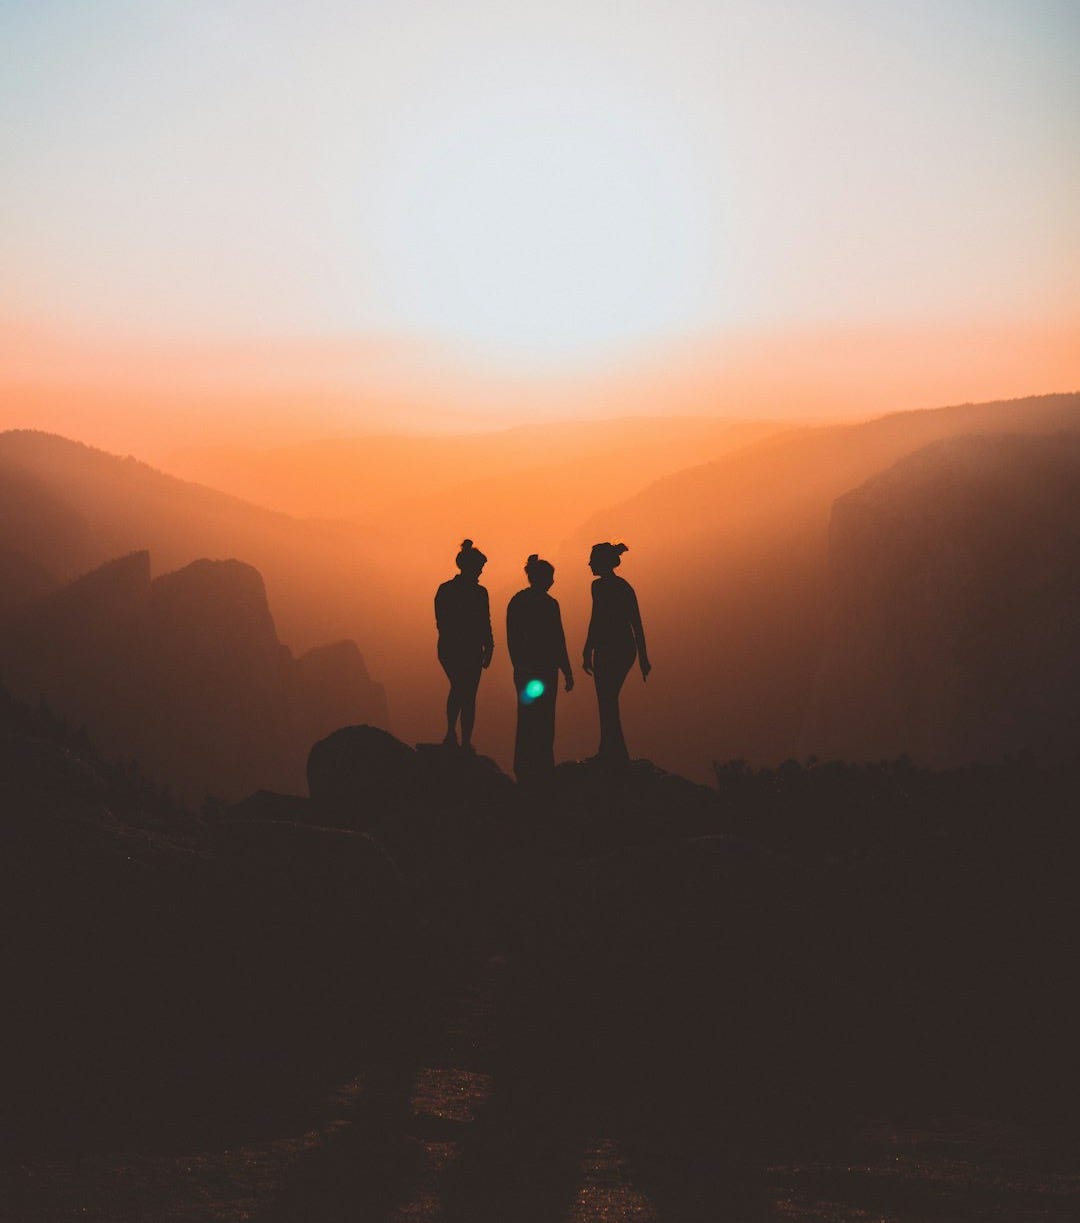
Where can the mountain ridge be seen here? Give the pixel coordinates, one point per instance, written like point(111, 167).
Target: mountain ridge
point(956, 593)
point(186, 673)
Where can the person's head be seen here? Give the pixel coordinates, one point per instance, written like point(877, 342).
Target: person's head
point(540, 573)
point(605, 558)
point(470, 560)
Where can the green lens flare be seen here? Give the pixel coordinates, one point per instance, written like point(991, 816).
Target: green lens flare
point(533, 690)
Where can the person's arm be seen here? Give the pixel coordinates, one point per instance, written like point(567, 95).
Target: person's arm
point(489, 639)
point(513, 630)
point(590, 639)
point(564, 657)
point(639, 634)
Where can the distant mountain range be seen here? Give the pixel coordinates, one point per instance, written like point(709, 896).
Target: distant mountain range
point(730, 558)
point(185, 673)
point(71, 507)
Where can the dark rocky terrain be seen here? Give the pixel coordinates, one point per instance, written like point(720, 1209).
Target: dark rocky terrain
point(421, 993)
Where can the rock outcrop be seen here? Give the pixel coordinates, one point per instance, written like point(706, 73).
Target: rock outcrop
point(209, 651)
point(185, 673)
point(425, 804)
point(328, 687)
point(79, 650)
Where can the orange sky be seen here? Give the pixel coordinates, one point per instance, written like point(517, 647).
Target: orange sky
point(150, 398)
point(235, 220)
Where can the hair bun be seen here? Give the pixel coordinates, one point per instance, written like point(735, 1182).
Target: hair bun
point(621, 548)
point(466, 544)
point(533, 558)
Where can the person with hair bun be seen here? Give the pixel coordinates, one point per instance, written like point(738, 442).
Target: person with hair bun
point(614, 641)
point(537, 645)
point(466, 644)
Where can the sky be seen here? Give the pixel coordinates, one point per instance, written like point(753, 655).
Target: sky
point(536, 189)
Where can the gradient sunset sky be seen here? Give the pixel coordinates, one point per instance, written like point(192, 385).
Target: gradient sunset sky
point(342, 198)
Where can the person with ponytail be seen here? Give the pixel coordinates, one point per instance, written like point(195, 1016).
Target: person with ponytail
point(537, 645)
point(614, 641)
point(463, 618)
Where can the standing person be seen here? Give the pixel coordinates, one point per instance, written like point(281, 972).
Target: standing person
point(615, 639)
point(463, 618)
point(537, 645)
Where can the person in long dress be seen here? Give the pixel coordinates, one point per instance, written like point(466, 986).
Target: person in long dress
point(466, 643)
point(615, 640)
point(537, 645)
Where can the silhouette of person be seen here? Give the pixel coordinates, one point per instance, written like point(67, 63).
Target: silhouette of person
point(614, 640)
point(537, 645)
point(463, 618)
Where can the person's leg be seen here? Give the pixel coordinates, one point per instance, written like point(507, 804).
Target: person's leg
point(610, 675)
point(534, 745)
point(522, 759)
point(470, 682)
point(607, 697)
point(468, 718)
point(546, 718)
point(453, 705)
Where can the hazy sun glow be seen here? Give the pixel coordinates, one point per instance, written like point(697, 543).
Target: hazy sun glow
point(538, 186)
point(544, 222)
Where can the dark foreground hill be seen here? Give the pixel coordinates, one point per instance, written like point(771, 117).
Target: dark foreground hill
point(185, 673)
point(157, 965)
point(492, 991)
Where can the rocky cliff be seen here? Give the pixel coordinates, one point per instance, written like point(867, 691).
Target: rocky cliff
point(185, 673)
point(955, 585)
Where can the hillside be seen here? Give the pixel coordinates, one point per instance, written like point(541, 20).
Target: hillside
point(955, 607)
point(101, 506)
point(730, 563)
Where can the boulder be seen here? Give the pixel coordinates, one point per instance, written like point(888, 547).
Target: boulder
point(425, 804)
point(359, 774)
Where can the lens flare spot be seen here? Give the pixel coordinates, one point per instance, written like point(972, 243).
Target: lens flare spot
point(532, 691)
